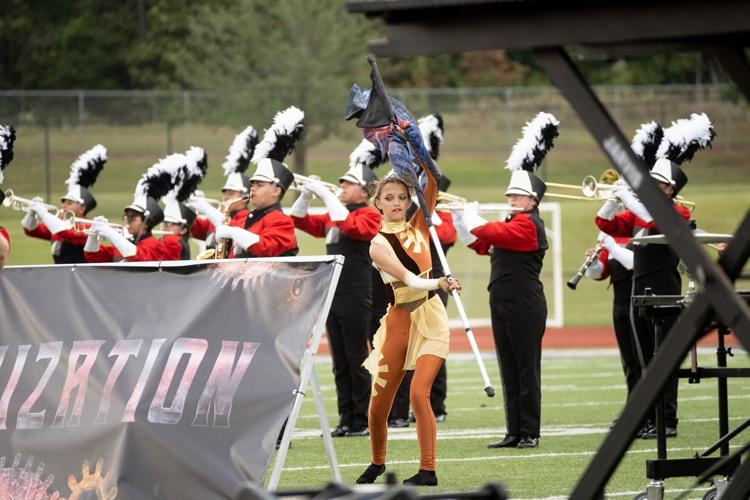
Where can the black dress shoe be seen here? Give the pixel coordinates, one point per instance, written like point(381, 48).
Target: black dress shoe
point(528, 442)
point(422, 478)
point(440, 417)
point(340, 431)
point(649, 427)
point(398, 423)
point(359, 430)
point(371, 473)
point(509, 441)
point(669, 432)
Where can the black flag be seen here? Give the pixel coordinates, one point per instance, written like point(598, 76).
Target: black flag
point(378, 112)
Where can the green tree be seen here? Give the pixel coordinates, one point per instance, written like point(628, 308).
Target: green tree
point(264, 56)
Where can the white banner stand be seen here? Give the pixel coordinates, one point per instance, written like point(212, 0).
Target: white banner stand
point(308, 375)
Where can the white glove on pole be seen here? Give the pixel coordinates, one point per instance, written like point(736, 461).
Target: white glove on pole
point(302, 204)
point(241, 237)
point(463, 232)
point(628, 199)
point(608, 210)
point(206, 209)
point(126, 248)
point(53, 223)
point(336, 210)
point(471, 216)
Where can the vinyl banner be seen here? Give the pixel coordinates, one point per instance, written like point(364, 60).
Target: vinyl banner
point(150, 381)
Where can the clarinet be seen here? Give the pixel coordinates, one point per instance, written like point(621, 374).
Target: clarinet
point(573, 282)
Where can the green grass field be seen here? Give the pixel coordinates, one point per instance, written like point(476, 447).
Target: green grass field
point(582, 392)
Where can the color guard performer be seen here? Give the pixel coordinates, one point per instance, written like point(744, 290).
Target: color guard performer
point(67, 243)
point(141, 217)
point(517, 303)
point(267, 231)
point(655, 266)
point(348, 227)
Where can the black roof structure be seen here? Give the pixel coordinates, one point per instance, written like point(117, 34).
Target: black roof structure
point(619, 28)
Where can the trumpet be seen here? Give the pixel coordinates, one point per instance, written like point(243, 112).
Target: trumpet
point(23, 204)
point(590, 259)
point(300, 180)
point(449, 198)
point(83, 225)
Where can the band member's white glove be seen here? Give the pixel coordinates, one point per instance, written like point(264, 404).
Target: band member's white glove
point(336, 210)
point(126, 248)
point(436, 220)
point(463, 232)
point(633, 204)
point(242, 237)
point(620, 254)
point(608, 210)
point(595, 270)
point(471, 216)
point(53, 223)
point(30, 221)
point(302, 204)
point(206, 209)
point(92, 242)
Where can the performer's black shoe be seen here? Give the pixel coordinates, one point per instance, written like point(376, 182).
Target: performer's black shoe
point(371, 473)
point(422, 478)
point(358, 430)
point(412, 417)
point(398, 423)
point(440, 417)
point(646, 429)
point(669, 432)
point(528, 442)
point(509, 441)
point(339, 431)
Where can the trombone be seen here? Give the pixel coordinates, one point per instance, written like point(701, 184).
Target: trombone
point(602, 190)
point(23, 204)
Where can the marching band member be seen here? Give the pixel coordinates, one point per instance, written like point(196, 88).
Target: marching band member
point(615, 261)
point(655, 266)
point(348, 227)
point(67, 244)
point(518, 306)
point(414, 332)
point(141, 217)
point(267, 231)
point(178, 217)
point(235, 193)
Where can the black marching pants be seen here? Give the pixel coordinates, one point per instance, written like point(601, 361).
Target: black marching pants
point(661, 282)
point(348, 328)
point(518, 323)
point(624, 333)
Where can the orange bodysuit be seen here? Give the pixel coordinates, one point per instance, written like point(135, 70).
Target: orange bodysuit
point(413, 335)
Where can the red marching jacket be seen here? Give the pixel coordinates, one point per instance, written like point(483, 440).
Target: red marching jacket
point(361, 224)
point(77, 238)
point(275, 230)
point(447, 230)
point(627, 224)
point(202, 227)
point(147, 249)
point(4, 234)
point(519, 234)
